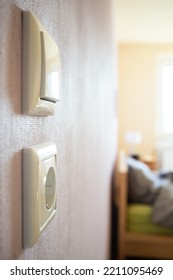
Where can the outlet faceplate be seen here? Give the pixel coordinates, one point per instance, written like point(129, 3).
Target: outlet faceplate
point(39, 190)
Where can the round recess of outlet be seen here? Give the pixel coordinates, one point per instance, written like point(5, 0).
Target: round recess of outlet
point(50, 187)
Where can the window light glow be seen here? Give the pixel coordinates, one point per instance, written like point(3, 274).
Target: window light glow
point(167, 98)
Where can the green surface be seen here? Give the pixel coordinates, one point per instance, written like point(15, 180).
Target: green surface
point(139, 219)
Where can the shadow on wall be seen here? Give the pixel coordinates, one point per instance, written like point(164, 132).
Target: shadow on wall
point(12, 55)
point(16, 209)
point(13, 225)
point(14, 59)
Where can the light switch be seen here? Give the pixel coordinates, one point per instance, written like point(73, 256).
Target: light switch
point(41, 68)
point(39, 190)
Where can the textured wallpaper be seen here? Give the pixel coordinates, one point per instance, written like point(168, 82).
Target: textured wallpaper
point(83, 128)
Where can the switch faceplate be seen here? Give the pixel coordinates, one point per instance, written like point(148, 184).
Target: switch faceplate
point(39, 190)
point(41, 68)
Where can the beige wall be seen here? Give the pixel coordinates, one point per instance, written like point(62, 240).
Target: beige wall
point(83, 128)
point(138, 92)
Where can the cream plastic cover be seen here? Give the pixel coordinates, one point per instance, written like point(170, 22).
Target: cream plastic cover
point(39, 190)
point(41, 68)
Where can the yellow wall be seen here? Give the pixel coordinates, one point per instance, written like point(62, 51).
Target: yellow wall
point(137, 92)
